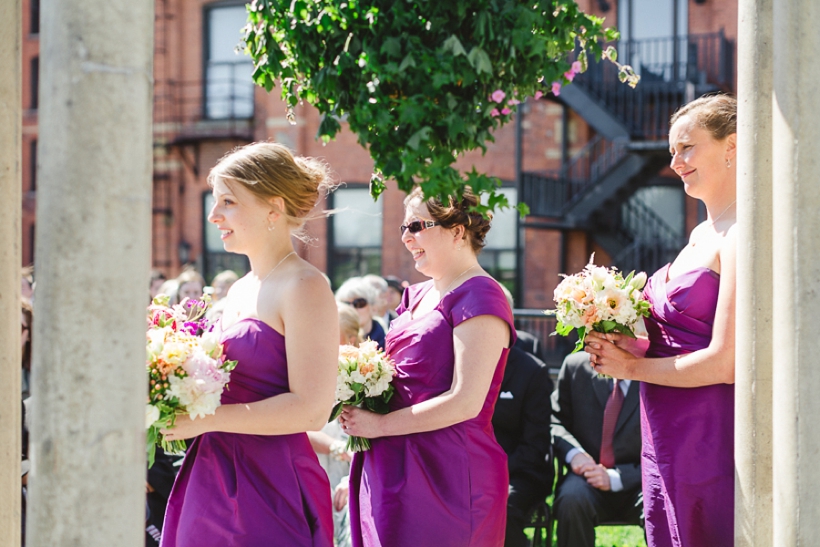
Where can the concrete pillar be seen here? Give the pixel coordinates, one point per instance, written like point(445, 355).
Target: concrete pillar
point(796, 295)
point(93, 258)
point(753, 363)
point(10, 243)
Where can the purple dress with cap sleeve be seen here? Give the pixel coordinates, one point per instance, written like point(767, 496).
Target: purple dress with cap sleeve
point(250, 490)
point(688, 433)
point(446, 487)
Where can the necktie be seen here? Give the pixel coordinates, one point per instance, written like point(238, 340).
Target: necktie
point(613, 407)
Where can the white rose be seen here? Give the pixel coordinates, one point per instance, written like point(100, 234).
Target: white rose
point(151, 415)
point(639, 280)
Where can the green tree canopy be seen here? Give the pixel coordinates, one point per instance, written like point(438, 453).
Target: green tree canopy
point(419, 81)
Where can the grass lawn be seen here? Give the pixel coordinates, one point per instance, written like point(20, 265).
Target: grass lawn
point(614, 536)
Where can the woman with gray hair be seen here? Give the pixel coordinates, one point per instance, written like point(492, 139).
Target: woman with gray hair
point(360, 294)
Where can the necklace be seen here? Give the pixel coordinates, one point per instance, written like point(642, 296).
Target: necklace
point(694, 243)
point(722, 213)
point(456, 279)
point(277, 265)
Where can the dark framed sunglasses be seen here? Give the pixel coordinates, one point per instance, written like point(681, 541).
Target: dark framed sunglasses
point(417, 225)
point(358, 303)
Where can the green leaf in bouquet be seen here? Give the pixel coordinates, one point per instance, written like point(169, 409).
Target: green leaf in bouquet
point(387, 394)
point(336, 412)
point(582, 335)
point(623, 329)
point(228, 366)
point(562, 329)
point(356, 387)
point(608, 326)
point(628, 279)
point(377, 405)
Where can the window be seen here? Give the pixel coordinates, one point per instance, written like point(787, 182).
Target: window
point(215, 258)
point(658, 35)
point(34, 14)
point(228, 83)
point(499, 257)
point(355, 235)
point(32, 158)
point(35, 79)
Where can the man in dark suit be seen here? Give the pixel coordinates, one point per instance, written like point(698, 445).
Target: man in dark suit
point(597, 435)
point(522, 427)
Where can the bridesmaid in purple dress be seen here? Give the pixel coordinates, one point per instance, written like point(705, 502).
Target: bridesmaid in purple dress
point(686, 367)
point(251, 478)
point(436, 475)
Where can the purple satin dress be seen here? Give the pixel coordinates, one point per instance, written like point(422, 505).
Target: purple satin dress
point(442, 488)
point(688, 433)
point(250, 490)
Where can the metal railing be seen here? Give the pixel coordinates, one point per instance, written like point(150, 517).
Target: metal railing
point(535, 322)
point(652, 242)
point(553, 193)
point(225, 94)
point(673, 70)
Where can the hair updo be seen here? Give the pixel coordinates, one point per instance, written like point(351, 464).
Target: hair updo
point(269, 169)
point(715, 113)
point(458, 213)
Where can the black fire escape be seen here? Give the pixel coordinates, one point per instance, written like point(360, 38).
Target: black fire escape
point(593, 188)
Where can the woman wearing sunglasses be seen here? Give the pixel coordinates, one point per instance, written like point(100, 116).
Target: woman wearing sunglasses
point(358, 293)
point(435, 474)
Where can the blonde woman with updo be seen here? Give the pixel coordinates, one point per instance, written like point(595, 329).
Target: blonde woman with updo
point(687, 365)
point(250, 477)
point(435, 474)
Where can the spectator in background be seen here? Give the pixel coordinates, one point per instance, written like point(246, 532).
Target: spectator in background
point(597, 434)
point(222, 283)
point(170, 289)
point(155, 285)
point(359, 294)
point(191, 285)
point(379, 304)
point(395, 290)
point(521, 422)
point(26, 322)
point(27, 283)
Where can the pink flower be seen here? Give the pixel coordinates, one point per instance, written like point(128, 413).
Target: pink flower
point(512, 102)
point(556, 88)
point(495, 113)
point(576, 67)
point(538, 95)
point(498, 95)
point(569, 75)
point(505, 111)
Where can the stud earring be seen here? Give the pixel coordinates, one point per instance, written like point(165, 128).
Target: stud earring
point(728, 164)
point(271, 227)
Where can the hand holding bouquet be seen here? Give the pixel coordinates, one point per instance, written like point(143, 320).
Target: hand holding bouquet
point(186, 369)
point(364, 379)
point(599, 299)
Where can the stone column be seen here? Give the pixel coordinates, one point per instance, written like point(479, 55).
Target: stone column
point(753, 363)
point(93, 258)
point(10, 242)
point(796, 262)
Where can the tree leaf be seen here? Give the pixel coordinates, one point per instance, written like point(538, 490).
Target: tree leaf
point(408, 61)
point(453, 45)
point(480, 61)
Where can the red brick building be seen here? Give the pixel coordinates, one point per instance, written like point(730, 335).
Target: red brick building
point(593, 160)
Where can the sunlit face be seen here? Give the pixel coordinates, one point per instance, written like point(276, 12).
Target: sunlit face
point(191, 289)
point(243, 219)
point(698, 158)
point(429, 247)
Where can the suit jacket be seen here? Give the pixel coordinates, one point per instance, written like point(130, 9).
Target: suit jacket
point(578, 418)
point(522, 418)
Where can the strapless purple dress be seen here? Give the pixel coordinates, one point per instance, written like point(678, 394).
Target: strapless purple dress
point(688, 433)
point(442, 488)
point(250, 490)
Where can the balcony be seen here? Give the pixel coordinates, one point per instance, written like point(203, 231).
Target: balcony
point(219, 107)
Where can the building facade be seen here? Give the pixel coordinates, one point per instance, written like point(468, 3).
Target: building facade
point(592, 163)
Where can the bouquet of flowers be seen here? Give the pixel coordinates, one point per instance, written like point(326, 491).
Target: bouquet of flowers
point(599, 299)
point(364, 379)
point(186, 369)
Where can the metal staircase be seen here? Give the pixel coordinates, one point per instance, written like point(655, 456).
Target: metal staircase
point(592, 190)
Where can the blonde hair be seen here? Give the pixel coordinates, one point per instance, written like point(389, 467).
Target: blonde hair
point(269, 169)
point(715, 113)
point(349, 322)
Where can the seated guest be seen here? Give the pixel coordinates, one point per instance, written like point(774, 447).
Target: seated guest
point(191, 285)
point(521, 422)
point(596, 432)
point(358, 293)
